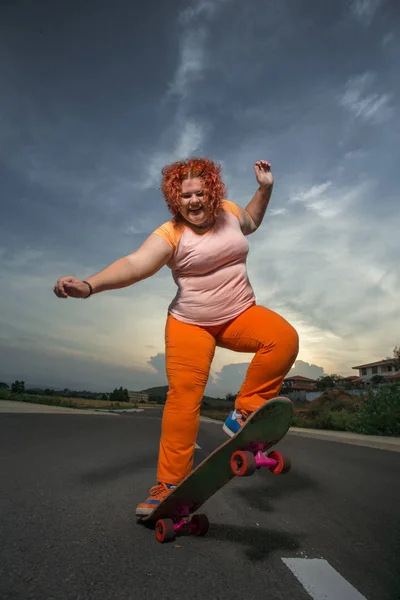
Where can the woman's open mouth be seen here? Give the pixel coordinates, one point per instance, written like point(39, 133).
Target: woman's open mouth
point(195, 211)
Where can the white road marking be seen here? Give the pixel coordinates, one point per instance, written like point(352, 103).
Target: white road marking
point(198, 447)
point(321, 580)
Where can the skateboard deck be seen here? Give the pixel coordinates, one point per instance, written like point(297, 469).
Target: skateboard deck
point(240, 455)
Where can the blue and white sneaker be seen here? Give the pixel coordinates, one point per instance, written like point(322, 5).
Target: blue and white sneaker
point(234, 422)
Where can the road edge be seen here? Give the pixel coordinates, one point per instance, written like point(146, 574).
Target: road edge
point(344, 437)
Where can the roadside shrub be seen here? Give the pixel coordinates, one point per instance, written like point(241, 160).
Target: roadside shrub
point(301, 421)
point(327, 419)
point(379, 413)
point(336, 420)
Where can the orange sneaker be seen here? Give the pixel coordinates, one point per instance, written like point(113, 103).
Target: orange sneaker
point(157, 494)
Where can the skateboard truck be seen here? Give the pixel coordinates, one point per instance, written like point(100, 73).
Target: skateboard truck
point(243, 463)
point(166, 529)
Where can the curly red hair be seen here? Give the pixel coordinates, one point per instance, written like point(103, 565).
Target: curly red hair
point(203, 168)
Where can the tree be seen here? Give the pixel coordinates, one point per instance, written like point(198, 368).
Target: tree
point(4, 386)
point(230, 398)
point(396, 358)
point(377, 379)
point(327, 382)
point(18, 387)
point(324, 383)
point(119, 395)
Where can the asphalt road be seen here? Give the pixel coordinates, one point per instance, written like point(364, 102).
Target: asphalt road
point(69, 486)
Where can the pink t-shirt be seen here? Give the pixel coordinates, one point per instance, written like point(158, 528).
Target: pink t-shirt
point(209, 270)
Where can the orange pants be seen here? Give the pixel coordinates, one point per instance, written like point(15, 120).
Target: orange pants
point(189, 353)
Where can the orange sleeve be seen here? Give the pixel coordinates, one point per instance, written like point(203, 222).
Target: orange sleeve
point(231, 207)
point(170, 232)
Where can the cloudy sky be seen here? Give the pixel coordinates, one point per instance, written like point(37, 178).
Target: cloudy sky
point(97, 96)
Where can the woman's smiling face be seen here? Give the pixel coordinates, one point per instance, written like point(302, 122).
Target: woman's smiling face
point(194, 207)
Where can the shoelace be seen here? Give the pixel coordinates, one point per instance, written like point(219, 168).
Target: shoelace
point(156, 490)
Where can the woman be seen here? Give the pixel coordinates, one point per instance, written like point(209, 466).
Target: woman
point(206, 249)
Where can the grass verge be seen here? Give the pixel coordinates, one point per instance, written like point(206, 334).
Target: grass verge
point(79, 403)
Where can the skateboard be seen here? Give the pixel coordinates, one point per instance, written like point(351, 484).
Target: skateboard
point(239, 456)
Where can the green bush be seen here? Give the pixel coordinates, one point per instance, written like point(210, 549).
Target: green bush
point(379, 413)
point(301, 421)
point(336, 420)
point(327, 419)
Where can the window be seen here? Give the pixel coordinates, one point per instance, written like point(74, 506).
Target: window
point(374, 370)
point(363, 371)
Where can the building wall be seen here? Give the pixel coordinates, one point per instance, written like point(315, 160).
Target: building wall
point(138, 397)
point(369, 372)
point(302, 395)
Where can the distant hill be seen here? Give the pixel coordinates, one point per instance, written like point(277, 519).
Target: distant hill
point(162, 390)
point(36, 386)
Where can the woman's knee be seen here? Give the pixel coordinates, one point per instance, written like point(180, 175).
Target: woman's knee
point(292, 338)
point(284, 343)
point(185, 397)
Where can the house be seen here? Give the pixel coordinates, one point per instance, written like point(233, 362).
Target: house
point(385, 367)
point(297, 382)
point(353, 379)
point(299, 388)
